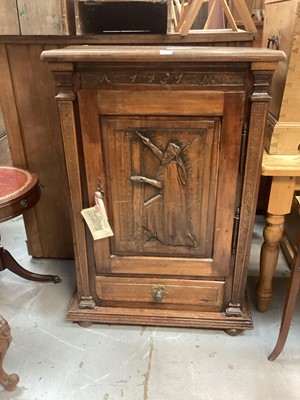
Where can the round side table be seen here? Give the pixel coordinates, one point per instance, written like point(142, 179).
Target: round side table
point(19, 191)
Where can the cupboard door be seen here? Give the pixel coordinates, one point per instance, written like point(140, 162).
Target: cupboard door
point(162, 190)
point(170, 179)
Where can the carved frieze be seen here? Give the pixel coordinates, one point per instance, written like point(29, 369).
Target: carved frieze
point(162, 78)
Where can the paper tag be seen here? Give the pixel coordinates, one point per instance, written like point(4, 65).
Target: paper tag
point(99, 204)
point(165, 52)
point(97, 222)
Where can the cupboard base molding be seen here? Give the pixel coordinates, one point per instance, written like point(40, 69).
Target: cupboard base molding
point(150, 317)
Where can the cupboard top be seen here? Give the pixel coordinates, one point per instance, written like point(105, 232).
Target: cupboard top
point(162, 54)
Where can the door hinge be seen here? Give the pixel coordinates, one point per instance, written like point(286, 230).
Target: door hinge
point(236, 222)
point(243, 148)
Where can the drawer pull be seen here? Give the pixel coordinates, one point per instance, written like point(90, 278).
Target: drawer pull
point(159, 293)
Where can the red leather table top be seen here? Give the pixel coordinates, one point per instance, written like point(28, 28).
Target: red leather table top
point(13, 182)
point(19, 190)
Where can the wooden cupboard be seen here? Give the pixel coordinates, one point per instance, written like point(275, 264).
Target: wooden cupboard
point(176, 136)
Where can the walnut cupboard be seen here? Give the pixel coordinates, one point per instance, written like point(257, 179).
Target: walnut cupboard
point(176, 136)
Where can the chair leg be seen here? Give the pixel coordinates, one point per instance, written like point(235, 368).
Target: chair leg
point(8, 381)
point(8, 262)
point(290, 303)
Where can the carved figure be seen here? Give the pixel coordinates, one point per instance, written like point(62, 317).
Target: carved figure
point(165, 216)
point(8, 381)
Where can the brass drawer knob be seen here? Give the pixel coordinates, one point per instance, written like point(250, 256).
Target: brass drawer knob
point(159, 293)
point(23, 203)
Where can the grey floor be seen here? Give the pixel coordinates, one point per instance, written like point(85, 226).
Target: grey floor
point(60, 360)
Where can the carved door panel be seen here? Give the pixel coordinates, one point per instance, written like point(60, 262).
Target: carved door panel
point(162, 190)
point(170, 179)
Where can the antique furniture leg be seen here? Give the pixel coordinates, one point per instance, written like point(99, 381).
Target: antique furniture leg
point(8, 381)
point(19, 191)
point(8, 262)
point(268, 260)
point(289, 307)
point(280, 201)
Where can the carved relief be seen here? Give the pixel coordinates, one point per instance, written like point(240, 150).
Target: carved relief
point(164, 78)
point(165, 214)
point(163, 184)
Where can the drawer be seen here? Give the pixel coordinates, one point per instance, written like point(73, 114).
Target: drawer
point(168, 292)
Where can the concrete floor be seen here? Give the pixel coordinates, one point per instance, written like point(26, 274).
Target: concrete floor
point(60, 360)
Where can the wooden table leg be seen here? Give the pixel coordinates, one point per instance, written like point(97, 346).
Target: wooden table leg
point(268, 260)
point(8, 381)
point(280, 202)
point(8, 262)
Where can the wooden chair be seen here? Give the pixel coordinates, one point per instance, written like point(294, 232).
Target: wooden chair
point(19, 191)
point(290, 303)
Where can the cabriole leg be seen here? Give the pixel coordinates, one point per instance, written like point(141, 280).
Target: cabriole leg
point(8, 381)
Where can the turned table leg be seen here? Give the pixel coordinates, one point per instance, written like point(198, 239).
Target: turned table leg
point(280, 203)
point(268, 260)
point(8, 381)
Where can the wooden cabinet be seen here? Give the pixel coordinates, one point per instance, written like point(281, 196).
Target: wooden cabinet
point(176, 136)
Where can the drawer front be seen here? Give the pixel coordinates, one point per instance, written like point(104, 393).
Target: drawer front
point(168, 292)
